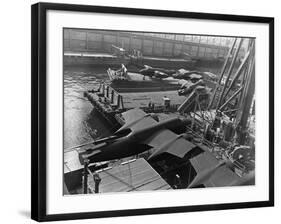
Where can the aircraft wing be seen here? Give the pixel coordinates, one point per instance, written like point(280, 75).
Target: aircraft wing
point(247, 179)
point(167, 141)
point(162, 140)
point(211, 172)
point(136, 119)
point(223, 176)
point(132, 115)
point(203, 161)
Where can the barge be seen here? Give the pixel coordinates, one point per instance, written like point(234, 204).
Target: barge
point(110, 103)
point(163, 62)
point(136, 82)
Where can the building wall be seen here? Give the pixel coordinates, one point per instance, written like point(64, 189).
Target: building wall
point(150, 44)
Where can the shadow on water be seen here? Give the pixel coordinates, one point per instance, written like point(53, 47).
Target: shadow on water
point(82, 123)
point(95, 120)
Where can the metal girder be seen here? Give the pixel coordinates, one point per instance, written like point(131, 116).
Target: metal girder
point(229, 72)
point(222, 71)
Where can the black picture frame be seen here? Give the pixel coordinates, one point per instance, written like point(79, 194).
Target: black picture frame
point(39, 121)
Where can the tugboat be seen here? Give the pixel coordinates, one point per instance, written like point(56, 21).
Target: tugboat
point(124, 81)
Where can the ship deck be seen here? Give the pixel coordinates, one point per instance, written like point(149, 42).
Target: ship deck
point(134, 175)
point(142, 99)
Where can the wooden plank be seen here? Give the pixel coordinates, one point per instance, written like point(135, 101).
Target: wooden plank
point(133, 176)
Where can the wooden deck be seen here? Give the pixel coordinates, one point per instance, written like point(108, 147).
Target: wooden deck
point(134, 175)
point(140, 100)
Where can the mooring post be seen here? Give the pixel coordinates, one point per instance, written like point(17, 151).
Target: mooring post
point(112, 96)
point(107, 91)
point(118, 100)
point(97, 181)
point(122, 102)
point(85, 176)
point(103, 90)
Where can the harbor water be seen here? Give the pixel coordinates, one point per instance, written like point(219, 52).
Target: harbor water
point(81, 122)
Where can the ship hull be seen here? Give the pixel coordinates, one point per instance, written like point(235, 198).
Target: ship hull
point(135, 82)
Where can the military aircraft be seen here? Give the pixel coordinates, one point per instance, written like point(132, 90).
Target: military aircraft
point(156, 72)
point(194, 75)
point(188, 87)
point(141, 132)
point(214, 173)
point(187, 75)
point(162, 73)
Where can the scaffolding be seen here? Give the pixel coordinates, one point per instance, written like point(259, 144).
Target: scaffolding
point(225, 121)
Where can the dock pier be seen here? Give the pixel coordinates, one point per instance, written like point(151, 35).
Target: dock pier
point(110, 103)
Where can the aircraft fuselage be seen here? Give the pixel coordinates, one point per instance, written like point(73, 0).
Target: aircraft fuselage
point(128, 145)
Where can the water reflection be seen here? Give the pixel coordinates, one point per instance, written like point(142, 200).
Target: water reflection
point(81, 122)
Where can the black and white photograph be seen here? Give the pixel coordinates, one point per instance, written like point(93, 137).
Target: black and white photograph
point(153, 111)
point(140, 112)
